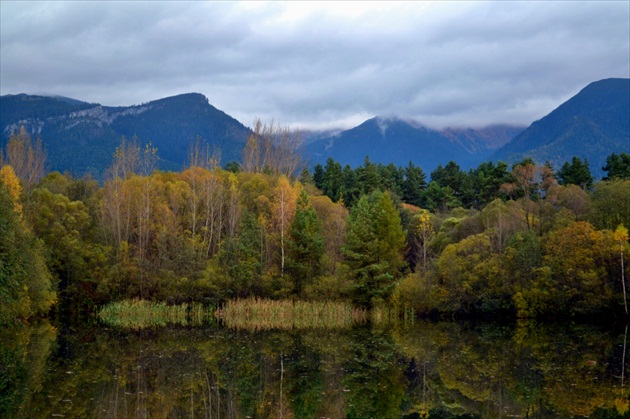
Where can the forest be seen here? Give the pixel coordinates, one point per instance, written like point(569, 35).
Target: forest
point(527, 241)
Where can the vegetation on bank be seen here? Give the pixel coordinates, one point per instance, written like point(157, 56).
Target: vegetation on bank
point(259, 314)
point(527, 242)
point(249, 314)
point(139, 314)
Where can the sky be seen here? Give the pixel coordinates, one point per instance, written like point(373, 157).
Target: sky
point(320, 65)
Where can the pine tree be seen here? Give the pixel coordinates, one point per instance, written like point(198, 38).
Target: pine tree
point(575, 173)
point(305, 245)
point(374, 247)
point(369, 177)
point(240, 257)
point(318, 176)
point(331, 185)
point(617, 166)
point(413, 184)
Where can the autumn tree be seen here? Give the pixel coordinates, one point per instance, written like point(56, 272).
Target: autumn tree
point(201, 162)
point(469, 273)
point(610, 204)
point(530, 183)
point(117, 205)
point(272, 149)
point(144, 205)
point(575, 280)
point(333, 217)
point(571, 198)
point(423, 233)
point(27, 157)
point(232, 204)
point(212, 198)
point(12, 184)
point(200, 154)
point(621, 236)
point(501, 220)
point(284, 202)
point(76, 260)
point(26, 286)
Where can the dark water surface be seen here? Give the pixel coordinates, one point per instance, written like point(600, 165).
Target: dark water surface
point(437, 370)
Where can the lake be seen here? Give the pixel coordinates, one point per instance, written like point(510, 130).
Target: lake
point(419, 369)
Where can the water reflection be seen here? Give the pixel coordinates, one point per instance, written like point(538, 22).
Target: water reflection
point(422, 370)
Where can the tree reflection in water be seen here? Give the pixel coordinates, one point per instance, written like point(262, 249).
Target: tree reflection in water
point(381, 370)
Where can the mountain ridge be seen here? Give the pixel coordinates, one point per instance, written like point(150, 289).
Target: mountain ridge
point(592, 124)
point(400, 140)
point(81, 137)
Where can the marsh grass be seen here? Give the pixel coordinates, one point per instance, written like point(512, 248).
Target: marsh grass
point(248, 314)
point(384, 315)
point(260, 314)
point(140, 314)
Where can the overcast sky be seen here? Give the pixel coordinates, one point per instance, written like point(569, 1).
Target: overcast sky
point(320, 65)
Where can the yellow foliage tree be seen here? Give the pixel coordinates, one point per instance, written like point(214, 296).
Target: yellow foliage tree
point(284, 202)
point(425, 233)
point(621, 235)
point(10, 179)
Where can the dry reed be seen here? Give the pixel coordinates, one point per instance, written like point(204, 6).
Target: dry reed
point(385, 315)
point(139, 314)
point(261, 314)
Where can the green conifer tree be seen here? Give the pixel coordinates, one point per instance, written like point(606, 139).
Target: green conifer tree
point(575, 173)
point(374, 248)
point(305, 245)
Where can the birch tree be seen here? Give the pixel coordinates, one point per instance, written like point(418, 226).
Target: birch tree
point(621, 235)
point(272, 149)
point(284, 202)
point(27, 157)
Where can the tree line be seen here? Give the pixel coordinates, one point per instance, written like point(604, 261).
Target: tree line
point(528, 241)
point(448, 186)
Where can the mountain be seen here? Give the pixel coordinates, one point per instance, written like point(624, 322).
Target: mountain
point(592, 124)
point(398, 141)
point(483, 140)
point(81, 137)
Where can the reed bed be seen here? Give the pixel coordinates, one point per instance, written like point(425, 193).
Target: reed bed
point(140, 314)
point(393, 315)
point(261, 314)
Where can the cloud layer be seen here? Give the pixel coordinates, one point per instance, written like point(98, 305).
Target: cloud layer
point(319, 65)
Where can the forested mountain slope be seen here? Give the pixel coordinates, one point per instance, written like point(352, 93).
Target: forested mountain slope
point(591, 125)
point(82, 137)
point(398, 141)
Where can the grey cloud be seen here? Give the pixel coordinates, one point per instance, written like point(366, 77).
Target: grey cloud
point(440, 63)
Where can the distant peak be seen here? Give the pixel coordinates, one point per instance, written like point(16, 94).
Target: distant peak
point(192, 95)
point(187, 98)
point(388, 120)
point(611, 84)
point(398, 120)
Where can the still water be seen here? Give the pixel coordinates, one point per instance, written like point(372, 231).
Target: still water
point(440, 370)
